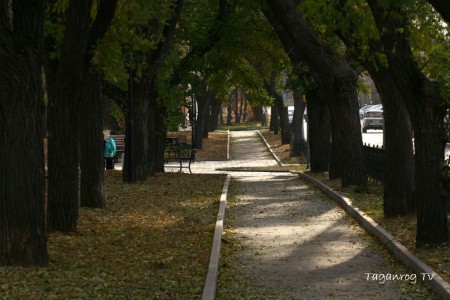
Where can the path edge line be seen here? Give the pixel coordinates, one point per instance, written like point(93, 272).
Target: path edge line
point(210, 287)
point(270, 149)
point(228, 145)
point(437, 283)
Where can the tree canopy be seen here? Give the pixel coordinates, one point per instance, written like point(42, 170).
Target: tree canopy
point(150, 56)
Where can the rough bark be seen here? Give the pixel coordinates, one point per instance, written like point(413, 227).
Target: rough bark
point(91, 143)
point(425, 105)
point(398, 181)
point(295, 59)
point(319, 132)
point(64, 92)
point(229, 114)
point(285, 126)
point(136, 143)
point(157, 134)
point(274, 120)
point(398, 184)
point(258, 113)
point(216, 104)
point(336, 80)
point(282, 122)
point(144, 136)
point(236, 107)
point(23, 239)
point(203, 105)
point(64, 99)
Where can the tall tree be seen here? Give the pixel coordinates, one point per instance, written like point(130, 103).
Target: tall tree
point(426, 108)
point(65, 85)
point(337, 81)
point(279, 107)
point(91, 114)
point(365, 49)
point(23, 239)
point(147, 134)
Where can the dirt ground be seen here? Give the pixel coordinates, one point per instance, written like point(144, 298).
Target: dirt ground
point(298, 244)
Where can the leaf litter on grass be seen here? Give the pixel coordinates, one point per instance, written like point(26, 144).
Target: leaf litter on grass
point(152, 241)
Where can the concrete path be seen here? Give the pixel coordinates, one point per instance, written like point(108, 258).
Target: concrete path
point(298, 243)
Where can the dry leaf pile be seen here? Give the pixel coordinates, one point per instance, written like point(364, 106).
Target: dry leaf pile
point(152, 241)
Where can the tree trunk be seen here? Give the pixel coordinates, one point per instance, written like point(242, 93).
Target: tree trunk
point(203, 104)
point(215, 111)
point(399, 159)
point(206, 123)
point(282, 114)
point(81, 35)
point(64, 99)
point(257, 114)
point(432, 220)
point(264, 117)
point(91, 143)
point(237, 112)
point(221, 120)
point(285, 126)
point(297, 125)
point(152, 137)
point(346, 131)
point(319, 132)
point(244, 113)
point(23, 238)
point(241, 106)
point(336, 80)
point(398, 183)
point(229, 114)
point(274, 120)
point(128, 173)
point(136, 143)
point(426, 108)
point(158, 133)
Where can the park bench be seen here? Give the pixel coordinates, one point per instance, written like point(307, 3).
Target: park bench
point(120, 146)
point(179, 150)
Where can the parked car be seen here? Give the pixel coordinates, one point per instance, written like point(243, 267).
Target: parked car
point(362, 110)
point(291, 114)
point(373, 118)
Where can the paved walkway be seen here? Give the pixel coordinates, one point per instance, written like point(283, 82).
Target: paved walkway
point(299, 244)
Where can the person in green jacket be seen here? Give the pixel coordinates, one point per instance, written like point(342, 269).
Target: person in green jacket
point(109, 153)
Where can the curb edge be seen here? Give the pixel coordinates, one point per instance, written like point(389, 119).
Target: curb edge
point(209, 290)
point(437, 283)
